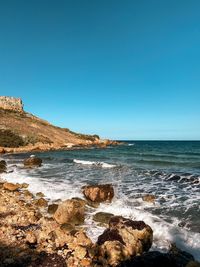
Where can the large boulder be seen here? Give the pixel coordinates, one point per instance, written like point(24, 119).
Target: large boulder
point(99, 193)
point(32, 161)
point(11, 186)
point(70, 211)
point(3, 166)
point(124, 239)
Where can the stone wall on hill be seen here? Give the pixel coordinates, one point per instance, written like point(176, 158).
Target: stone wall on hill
point(11, 103)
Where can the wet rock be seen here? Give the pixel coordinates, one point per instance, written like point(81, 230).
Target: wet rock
point(40, 194)
point(124, 239)
point(149, 198)
point(2, 150)
point(102, 217)
point(32, 162)
point(193, 264)
point(11, 186)
point(182, 258)
point(49, 260)
point(150, 259)
point(52, 208)
point(99, 193)
point(24, 185)
point(70, 211)
point(3, 166)
point(41, 202)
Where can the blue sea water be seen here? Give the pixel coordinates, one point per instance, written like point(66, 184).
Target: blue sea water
point(170, 170)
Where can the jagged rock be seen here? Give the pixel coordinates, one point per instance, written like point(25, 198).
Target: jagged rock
point(49, 260)
point(32, 162)
point(40, 194)
point(102, 217)
point(3, 166)
point(193, 264)
point(99, 193)
point(2, 150)
point(70, 211)
point(150, 259)
point(149, 198)
point(124, 239)
point(52, 208)
point(41, 202)
point(11, 186)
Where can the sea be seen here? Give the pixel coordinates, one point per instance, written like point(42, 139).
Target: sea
point(169, 170)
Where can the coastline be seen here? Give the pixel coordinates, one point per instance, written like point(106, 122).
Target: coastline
point(29, 231)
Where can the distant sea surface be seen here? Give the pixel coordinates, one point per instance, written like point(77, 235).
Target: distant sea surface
point(170, 170)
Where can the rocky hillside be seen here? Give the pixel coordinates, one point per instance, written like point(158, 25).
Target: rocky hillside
point(25, 131)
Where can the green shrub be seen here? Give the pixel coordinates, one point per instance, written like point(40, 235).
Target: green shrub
point(10, 139)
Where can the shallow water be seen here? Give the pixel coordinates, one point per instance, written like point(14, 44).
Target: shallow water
point(169, 170)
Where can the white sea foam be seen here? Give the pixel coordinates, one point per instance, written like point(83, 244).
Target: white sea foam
point(164, 233)
point(94, 163)
point(68, 187)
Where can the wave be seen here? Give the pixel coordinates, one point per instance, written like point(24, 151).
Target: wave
point(94, 163)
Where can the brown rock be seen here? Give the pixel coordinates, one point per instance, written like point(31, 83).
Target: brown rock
point(193, 264)
point(70, 211)
point(149, 198)
point(41, 202)
point(11, 186)
point(52, 208)
point(31, 238)
point(3, 166)
point(40, 194)
point(32, 162)
point(99, 193)
point(102, 217)
point(124, 239)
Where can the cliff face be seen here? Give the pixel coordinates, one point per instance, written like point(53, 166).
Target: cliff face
point(11, 103)
point(21, 129)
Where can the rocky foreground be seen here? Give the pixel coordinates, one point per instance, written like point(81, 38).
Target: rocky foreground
point(34, 232)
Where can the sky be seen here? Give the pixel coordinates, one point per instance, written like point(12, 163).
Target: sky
point(123, 69)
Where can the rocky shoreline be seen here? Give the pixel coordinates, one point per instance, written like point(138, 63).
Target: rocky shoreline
point(41, 147)
point(34, 232)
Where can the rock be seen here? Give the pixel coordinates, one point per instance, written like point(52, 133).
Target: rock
point(150, 259)
point(41, 202)
point(182, 258)
point(32, 162)
point(149, 198)
point(52, 208)
point(102, 217)
point(2, 150)
point(124, 239)
point(11, 186)
point(193, 264)
point(3, 166)
point(31, 238)
point(48, 260)
point(99, 193)
point(24, 185)
point(70, 211)
point(40, 194)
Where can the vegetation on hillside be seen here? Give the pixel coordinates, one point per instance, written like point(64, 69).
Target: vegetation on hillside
point(10, 139)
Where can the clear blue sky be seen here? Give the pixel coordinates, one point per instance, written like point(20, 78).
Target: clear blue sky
point(121, 69)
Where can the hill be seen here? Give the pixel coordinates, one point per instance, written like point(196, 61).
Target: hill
point(22, 131)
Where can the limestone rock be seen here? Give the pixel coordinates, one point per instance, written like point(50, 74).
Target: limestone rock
point(102, 217)
point(41, 202)
point(124, 239)
point(52, 208)
point(3, 166)
point(149, 198)
point(99, 193)
point(70, 211)
point(32, 162)
point(11, 186)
